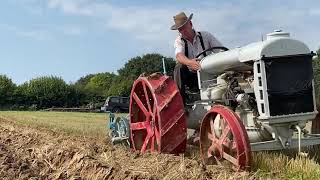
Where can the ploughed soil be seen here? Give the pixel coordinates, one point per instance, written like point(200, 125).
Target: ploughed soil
point(30, 153)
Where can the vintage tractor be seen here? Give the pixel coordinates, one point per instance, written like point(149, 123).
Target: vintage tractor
point(253, 98)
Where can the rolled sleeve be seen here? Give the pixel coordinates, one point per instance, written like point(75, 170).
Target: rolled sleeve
point(179, 46)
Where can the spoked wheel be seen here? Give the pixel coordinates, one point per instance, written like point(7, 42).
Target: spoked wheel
point(157, 120)
point(223, 139)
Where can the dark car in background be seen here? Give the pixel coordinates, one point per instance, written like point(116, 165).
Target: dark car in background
point(116, 104)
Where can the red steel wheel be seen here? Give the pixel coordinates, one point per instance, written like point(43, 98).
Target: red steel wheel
point(157, 119)
point(223, 137)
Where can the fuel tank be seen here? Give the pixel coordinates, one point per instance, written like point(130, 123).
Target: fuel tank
point(276, 44)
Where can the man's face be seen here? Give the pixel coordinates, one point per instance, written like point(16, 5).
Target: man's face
point(186, 30)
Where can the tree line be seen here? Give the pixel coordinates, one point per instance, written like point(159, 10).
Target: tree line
point(93, 89)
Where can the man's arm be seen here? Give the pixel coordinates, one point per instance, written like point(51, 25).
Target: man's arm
point(191, 63)
point(181, 58)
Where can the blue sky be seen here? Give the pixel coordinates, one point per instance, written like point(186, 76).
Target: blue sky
point(72, 38)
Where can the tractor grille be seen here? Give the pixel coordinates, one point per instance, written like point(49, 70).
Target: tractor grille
point(289, 84)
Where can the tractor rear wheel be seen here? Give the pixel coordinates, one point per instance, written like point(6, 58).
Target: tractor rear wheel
point(223, 139)
point(157, 119)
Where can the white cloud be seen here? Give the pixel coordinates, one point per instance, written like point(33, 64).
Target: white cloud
point(234, 24)
point(146, 23)
point(27, 33)
point(44, 33)
point(71, 30)
point(72, 7)
point(315, 12)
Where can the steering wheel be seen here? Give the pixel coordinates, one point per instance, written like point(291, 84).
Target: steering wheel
point(211, 49)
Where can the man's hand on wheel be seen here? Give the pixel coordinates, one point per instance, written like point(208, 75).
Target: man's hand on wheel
point(194, 64)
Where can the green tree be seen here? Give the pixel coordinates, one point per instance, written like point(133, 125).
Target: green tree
point(83, 81)
point(7, 88)
point(21, 97)
point(120, 87)
point(101, 82)
point(73, 97)
point(148, 64)
point(47, 91)
point(94, 88)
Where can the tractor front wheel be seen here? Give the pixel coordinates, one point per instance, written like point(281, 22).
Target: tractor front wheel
point(223, 139)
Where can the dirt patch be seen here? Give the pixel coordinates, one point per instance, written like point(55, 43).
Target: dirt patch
point(29, 153)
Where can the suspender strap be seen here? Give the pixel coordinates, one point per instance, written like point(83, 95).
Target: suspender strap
point(186, 53)
point(185, 47)
point(202, 44)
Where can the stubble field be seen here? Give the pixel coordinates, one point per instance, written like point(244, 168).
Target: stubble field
point(65, 145)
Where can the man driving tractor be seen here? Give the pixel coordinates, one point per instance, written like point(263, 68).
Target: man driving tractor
point(188, 45)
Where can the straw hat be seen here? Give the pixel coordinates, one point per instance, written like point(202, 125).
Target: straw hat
point(180, 19)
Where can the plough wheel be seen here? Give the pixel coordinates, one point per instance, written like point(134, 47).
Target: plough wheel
point(223, 139)
point(157, 119)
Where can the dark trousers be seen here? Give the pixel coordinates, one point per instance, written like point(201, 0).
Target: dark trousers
point(185, 78)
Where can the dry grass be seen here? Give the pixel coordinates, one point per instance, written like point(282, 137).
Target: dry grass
point(265, 165)
point(83, 124)
point(287, 165)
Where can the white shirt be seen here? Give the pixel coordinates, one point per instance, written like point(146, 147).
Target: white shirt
point(195, 47)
